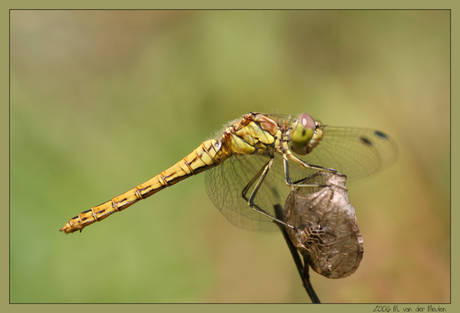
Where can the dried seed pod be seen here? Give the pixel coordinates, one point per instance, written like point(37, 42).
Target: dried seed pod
point(327, 235)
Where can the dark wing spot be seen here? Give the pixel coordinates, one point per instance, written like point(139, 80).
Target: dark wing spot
point(303, 132)
point(365, 141)
point(380, 134)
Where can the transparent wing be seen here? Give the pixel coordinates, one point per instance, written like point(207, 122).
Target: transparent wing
point(355, 152)
point(225, 184)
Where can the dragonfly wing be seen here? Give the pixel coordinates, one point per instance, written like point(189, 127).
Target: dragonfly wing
point(355, 152)
point(225, 184)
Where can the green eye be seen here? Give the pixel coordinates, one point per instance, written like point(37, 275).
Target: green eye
point(302, 132)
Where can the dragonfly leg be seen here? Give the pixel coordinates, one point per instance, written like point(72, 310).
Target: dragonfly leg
point(304, 164)
point(260, 176)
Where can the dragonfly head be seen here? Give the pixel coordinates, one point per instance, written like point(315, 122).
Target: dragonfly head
point(303, 131)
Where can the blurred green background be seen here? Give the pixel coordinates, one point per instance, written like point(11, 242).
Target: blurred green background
point(102, 101)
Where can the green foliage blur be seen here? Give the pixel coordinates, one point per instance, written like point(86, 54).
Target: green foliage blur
point(102, 101)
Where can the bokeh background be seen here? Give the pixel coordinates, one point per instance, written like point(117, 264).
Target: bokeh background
point(102, 101)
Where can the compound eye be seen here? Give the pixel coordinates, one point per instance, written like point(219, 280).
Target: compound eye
point(303, 131)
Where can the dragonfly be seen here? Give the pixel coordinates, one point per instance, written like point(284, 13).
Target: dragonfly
point(256, 161)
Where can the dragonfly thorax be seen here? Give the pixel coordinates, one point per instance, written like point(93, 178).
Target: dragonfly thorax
point(255, 133)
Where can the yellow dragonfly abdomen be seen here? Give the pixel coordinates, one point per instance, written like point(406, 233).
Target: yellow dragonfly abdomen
point(207, 155)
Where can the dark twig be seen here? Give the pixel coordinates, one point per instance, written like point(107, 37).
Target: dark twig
point(303, 269)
